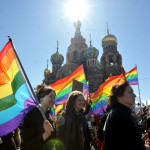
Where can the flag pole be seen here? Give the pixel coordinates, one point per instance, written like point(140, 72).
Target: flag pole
point(138, 86)
point(27, 80)
point(87, 86)
point(90, 101)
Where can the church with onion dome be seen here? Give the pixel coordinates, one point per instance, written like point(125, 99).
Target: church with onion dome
point(78, 52)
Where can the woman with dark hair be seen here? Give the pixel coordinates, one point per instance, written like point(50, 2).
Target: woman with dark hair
point(121, 131)
point(36, 131)
point(75, 133)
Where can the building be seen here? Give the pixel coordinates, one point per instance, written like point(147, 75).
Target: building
point(79, 53)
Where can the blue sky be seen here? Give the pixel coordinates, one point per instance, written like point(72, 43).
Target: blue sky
point(36, 25)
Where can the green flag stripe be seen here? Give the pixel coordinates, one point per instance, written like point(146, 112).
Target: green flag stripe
point(7, 102)
point(17, 82)
point(10, 100)
point(104, 97)
point(67, 90)
point(64, 92)
point(131, 76)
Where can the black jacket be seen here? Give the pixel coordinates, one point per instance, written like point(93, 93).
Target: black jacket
point(10, 141)
point(100, 131)
point(70, 133)
point(121, 132)
point(32, 132)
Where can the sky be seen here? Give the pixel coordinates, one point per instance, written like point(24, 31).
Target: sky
point(36, 25)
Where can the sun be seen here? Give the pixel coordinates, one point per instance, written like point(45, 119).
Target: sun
point(76, 9)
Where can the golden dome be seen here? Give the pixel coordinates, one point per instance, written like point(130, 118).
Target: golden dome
point(109, 37)
point(47, 72)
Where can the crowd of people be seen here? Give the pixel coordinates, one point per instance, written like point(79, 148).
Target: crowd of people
point(119, 128)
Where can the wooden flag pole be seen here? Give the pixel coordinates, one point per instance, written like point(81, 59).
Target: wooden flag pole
point(27, 80)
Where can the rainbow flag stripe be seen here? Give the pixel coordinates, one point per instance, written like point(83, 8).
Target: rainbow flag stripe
point(15, 100)
point(131, 76)
point(100, 97)
point(63, 87)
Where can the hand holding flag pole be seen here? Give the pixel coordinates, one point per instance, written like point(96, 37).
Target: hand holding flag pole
point(90, 101)
point(27, 80)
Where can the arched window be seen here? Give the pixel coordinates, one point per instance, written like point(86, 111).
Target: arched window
point(68, 57)
point(56, 67)
point(95, 62)
point(88, 63)
point(75, 56)
point(111, 63)
point(83, 57)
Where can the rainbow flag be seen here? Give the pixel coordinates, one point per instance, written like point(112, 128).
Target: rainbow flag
point(100, 97)
point(131, 76)
point(59, 109)
point(63, 87)
point(15, 100)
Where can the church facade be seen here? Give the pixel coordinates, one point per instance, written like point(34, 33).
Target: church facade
point(96, 71)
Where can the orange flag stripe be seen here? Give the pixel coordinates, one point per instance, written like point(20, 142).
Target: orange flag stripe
point(7, 60)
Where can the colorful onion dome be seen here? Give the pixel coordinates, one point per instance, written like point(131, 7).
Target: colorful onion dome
point(57, 58)
point(91, 52)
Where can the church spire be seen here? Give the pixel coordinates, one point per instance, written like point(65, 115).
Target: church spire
point(47, 64)
point(57, 46)
point(90, 41)
point(77, 25)
point(107, 28)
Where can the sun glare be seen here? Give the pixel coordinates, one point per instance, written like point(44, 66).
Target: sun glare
point(76, 9)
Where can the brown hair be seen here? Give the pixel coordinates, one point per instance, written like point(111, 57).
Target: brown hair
point(117, 90)
point(41, 91)
point(71, 100)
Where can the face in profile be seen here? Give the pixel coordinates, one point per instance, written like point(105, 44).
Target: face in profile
point(79, 102)
point(49, 100)
point(128, 98)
